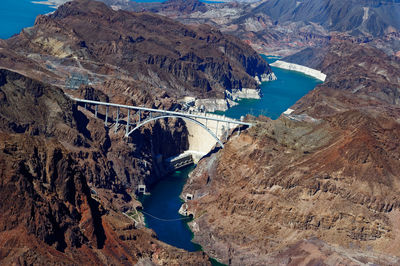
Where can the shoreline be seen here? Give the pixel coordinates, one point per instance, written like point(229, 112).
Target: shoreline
point(299, 68)
point(51, 3)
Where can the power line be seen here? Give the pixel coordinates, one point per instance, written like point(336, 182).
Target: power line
point(165, 220)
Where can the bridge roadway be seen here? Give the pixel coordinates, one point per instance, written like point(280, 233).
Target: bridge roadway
point(162, 114)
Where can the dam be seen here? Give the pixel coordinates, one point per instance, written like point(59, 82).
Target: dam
point(279, 95)
point(202, 142)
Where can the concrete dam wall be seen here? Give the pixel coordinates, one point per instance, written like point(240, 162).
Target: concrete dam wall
point(200, 140)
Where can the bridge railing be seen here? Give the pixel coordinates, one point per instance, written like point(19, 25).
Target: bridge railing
point(154, 114)
point(138, 108)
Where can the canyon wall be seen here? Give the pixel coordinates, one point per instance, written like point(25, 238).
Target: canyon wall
point(317, 186)
point(72, 176)
point(90, 39)
point(48, 152)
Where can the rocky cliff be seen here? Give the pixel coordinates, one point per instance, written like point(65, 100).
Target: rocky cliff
point(94, 52)
point(363, 76)
point(49, 213)
point(367, 17)
point(88, 38)
point(317, 186)
point(283, 27)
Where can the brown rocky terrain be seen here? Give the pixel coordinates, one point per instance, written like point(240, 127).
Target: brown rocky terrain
point(128, 58)
point(357, 75)
point(57, 150)
point(48, 213)
point(317, 187)
point(320, 186)
point(88, 38)
point(281, 27)
point(239, 19)
point(122, 57)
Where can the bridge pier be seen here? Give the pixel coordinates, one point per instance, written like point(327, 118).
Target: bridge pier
point(96, 108)
point(106, 120)
point(227, 131)
point(116, 121)
point(127, 123)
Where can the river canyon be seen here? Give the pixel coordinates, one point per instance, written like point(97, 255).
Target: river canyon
point(314, 180)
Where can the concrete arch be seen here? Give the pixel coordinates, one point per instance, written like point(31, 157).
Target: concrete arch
point(177, 116)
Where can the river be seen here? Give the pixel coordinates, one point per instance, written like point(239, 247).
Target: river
point(161, 211)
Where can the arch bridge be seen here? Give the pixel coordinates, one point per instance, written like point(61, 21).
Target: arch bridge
point(136, 117)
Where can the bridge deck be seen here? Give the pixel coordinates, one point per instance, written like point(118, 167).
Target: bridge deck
point(226, 120)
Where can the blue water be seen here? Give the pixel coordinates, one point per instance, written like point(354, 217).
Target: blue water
point(164, 203)
point(278, 95)
point(18, 14)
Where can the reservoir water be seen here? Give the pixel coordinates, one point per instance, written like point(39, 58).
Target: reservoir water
point(18, 14)
point(278, 95)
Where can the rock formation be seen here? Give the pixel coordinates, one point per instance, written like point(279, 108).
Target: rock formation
point(317, 186)
point(283, 27)
point(70, 176)
point(128, 58)
point(48, 213)
point(365, 18)
point(364, 76)
point(90, 39)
